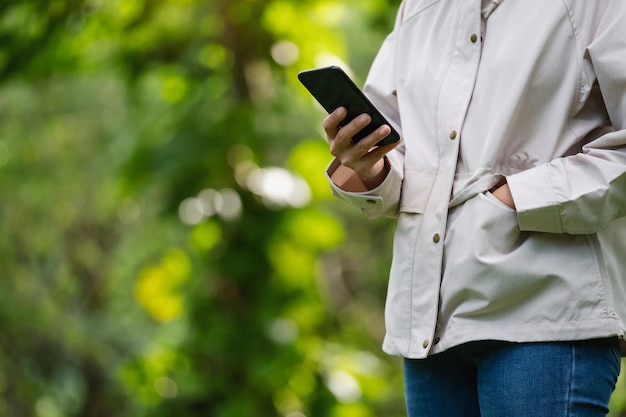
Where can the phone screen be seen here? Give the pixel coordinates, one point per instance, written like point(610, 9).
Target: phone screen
point(332, 88)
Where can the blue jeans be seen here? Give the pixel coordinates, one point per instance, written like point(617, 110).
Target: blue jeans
point(500, 379)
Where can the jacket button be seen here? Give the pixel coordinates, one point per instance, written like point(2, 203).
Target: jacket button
point(426, 343)
point(436, 238)
point(453, 135)
point(474, 38)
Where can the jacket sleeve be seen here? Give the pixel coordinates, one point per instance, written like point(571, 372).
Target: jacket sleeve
point(582, 193)
point(380, 88)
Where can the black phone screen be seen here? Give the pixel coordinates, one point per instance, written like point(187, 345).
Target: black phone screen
point(332, 88)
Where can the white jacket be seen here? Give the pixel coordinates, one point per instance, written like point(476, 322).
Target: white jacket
point(537, 94)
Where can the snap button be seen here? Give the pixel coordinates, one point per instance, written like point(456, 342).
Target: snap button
point(426, 343)
point(436, 238)
point(474, 38)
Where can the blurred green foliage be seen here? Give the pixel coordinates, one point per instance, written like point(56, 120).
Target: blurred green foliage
point(169, 244)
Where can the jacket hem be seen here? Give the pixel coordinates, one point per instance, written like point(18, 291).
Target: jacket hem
point(516, 333)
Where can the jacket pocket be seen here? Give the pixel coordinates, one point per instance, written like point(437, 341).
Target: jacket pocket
point(495, 270)
point(416, 189)
point(489, 196)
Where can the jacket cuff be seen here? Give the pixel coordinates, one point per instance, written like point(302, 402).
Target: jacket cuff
point(535, 201)
point(373, 203)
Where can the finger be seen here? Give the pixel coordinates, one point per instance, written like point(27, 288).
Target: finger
point(348, 131)
point(342, 146)
point(365, 166)
point(378, 152)
point(332, 121)
point(363, 163)
point(371, 141)
point(366, 153)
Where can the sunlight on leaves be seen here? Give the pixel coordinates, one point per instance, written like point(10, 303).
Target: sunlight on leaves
point(329, 13)
point(310, 159)
point(205, 236)
point(293, 265)
point(149, 377)
point(352, 410)
point(157, 288)
point(123, 122)
point(314, 229)
point(215, 56)
point(128, 10)
point(173, 88)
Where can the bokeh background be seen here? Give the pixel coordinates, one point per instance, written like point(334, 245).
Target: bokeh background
point(169, 246)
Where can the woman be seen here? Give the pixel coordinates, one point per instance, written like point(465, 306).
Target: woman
point(506, 293)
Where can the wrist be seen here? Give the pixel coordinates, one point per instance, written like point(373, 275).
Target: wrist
point(381, 171)
point(503, 193)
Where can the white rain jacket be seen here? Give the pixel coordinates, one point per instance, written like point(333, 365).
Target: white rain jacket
point(536, 93)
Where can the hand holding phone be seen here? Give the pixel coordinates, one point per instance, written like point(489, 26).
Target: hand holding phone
point(332, 88)
point(363, 158)
point(352, 118)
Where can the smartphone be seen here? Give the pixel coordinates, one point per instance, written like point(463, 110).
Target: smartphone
point(333, 88)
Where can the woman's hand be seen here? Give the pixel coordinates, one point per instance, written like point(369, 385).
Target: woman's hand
point(364, 157)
